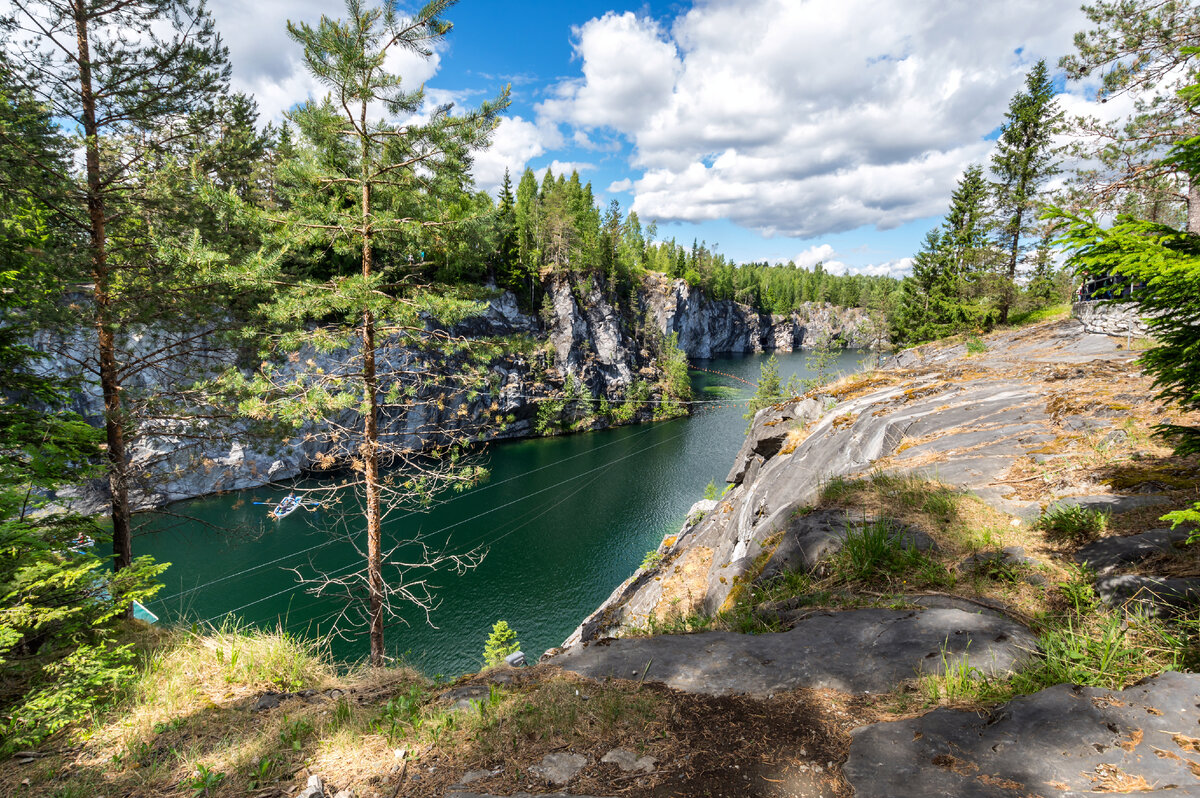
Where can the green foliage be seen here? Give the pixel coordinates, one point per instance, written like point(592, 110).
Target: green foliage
point(1024, 160)
point(837, 489)
point(1073, 524)
point(204, 780)
point(712, 492)
point(500, 643)
point(261, 773)
point(769, 288)
point(401, 713)
point(59, 607)
point(1144, 50)
point(635, 397)
point(1162, 266)
point(677, 385)
point(1186, 516)
point(652, 559)
point(769, 389)
point(821, 357)
point(87, 677)
point(966, 275)
point(875, 552)
point(948, 291)
point(975, 346)
point(294, 732)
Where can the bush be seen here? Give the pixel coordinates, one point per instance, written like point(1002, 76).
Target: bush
point(500, 643)
point(1072, 523)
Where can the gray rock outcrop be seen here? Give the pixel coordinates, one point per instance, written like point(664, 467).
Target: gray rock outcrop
point(708, 327)
point(1110, 318)
point(1064, 740)
point(1108, 554)
point(181, 456)
point(963, 421)
point(1156, 596)
point(868, 650)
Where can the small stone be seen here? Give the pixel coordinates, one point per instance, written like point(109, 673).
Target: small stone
point(315, 788)
point(628, 761)
point(559, 768)
point(267, 701)
point(475, 775)
point(347, 793)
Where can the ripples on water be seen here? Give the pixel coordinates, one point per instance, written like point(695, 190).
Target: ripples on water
point(565, 520)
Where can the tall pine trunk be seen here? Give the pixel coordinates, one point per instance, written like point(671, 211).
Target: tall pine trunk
point(1193, 206)
point(110, 381)
point(1013, 253)
point(370, 444)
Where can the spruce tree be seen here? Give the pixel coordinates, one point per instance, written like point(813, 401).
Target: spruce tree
point(1025, 158)
point(507, 257)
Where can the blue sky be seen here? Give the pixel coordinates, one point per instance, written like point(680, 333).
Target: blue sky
point(779, 130)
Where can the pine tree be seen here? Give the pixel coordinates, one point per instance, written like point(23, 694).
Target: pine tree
point(500, 643)
point(88, 63)
point(1145, 48)
point(59, 657)
point(372, 188)
point(1024, 160)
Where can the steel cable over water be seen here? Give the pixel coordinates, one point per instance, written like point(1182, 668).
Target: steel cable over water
point(447, 528)
point(473, 493)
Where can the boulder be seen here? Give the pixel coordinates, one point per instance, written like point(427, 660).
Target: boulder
point(560, 767)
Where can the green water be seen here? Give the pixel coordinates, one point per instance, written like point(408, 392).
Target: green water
point(565, 520)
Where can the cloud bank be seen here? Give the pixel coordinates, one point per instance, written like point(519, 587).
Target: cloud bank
point(806, 118)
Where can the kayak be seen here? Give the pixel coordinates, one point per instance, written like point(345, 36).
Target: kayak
point(286, 506)
point(289, 504)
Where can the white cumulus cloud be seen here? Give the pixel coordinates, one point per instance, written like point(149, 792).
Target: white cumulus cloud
point(629, 70)
point(514, 143)
point(817, 253)
point(807, 118)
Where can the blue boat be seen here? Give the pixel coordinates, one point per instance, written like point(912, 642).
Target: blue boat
point(142, 614)
point(289, 504)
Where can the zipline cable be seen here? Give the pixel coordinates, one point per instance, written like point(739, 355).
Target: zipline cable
point(409, 514)
point(464, 521)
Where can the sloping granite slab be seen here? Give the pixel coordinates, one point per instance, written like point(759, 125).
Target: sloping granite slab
point(1112, 552)
point(868, 650)
point(1061, 741)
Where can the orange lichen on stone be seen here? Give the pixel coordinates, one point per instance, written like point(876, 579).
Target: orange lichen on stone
point(686, 584)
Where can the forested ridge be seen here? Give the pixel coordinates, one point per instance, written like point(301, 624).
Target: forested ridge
point(142, 202)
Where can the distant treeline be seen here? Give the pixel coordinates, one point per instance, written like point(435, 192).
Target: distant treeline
point(554, 225)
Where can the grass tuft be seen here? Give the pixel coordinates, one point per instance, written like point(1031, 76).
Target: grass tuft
point(1073, 524)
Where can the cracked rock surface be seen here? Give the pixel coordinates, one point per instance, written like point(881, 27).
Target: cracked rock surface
point(867, 650)
point(1063, 740)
